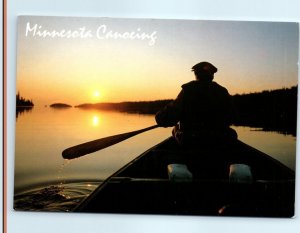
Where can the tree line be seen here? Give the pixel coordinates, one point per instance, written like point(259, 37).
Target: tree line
point(140, 107)
point(22, 102)
point(23, 105)
point(272, 110)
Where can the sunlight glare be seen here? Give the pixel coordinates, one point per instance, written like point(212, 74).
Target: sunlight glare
point(97, 94)
point(95, 121)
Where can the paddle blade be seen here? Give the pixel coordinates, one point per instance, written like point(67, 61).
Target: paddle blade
point(93, 146)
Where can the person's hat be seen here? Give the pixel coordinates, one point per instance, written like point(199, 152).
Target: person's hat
point(205, 67)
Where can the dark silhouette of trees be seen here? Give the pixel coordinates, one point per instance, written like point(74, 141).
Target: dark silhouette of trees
point(22, 102)
point(60, 105)
point(274, 110)
point(140, 107)
point(22, 105)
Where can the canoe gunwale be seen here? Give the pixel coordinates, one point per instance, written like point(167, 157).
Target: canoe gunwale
point(274, 161)
point(98, 189)
point(114, 178)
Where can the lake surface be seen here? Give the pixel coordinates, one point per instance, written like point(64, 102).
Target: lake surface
point(45, 181)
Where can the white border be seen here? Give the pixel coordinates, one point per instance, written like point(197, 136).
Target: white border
point(251, 10)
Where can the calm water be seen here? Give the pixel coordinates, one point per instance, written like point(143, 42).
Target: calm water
point(45, 181)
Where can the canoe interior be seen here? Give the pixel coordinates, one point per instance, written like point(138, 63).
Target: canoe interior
point(143, 187)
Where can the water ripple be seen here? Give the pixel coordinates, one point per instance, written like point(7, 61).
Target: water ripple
point(62, 197)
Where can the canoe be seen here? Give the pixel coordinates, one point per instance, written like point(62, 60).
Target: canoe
point(235, 180)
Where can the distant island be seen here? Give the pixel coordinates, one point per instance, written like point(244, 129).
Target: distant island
point(140, 107)
point(22, 102)
point(60, 105)
point(22, 105)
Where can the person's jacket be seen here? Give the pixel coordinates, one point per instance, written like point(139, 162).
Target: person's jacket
point(199, 106)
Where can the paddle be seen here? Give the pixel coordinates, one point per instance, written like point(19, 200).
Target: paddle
point(92, 146)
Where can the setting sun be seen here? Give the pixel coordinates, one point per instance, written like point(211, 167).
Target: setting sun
point(97, 94)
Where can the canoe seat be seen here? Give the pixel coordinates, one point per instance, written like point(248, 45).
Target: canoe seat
point(240, 173)
point(179, 172)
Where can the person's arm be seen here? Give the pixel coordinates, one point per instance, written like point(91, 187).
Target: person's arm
point(170, 114)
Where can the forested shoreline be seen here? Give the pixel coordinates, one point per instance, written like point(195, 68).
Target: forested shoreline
point(140, 107)
point(270, 110)
point(23, 105)
point(22, 102)
point(273, 110)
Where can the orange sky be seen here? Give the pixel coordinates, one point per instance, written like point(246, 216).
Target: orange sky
point(250, 56)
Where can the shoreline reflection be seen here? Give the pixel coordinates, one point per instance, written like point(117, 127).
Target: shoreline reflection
point(22, 110)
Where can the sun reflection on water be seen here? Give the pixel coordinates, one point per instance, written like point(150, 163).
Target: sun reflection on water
point(95, 121)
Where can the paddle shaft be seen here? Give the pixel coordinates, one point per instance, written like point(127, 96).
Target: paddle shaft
point(93, 146)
